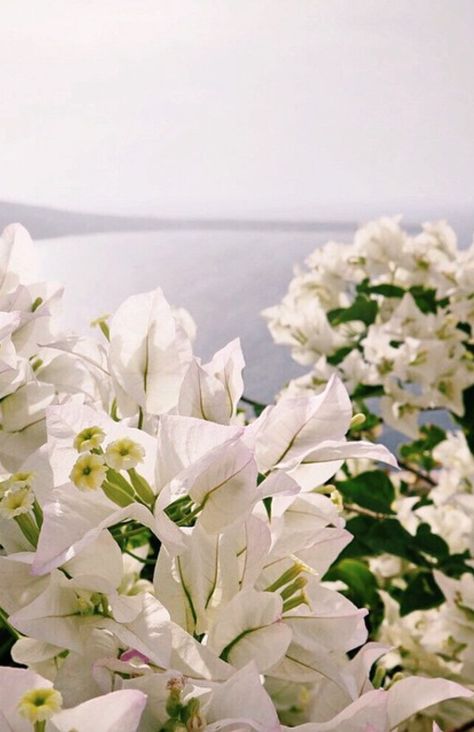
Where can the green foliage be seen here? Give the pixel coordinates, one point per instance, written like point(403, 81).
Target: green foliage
point(363, 391)
point(421, 593)
point(386, 290)
point(419, 452)
point(467, 420)
point(339, 355)
point(379, 534)
point(372, 490)
point(362, 309)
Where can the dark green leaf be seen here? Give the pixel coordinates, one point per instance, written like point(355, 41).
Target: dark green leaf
point(361, 309)
point(372, 490)
point(386, 290)
point(364, 391)
point(339, 355)
point(430, 543)
point(425, 298)
point(455, 565)
point(422, 593)
point(419, 451)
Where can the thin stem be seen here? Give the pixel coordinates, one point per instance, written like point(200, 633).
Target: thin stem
point(366, 511)
point(140, 559)
point(252, 402)
point(419, 474)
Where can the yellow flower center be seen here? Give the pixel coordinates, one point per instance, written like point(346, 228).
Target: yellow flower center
point(38, 705)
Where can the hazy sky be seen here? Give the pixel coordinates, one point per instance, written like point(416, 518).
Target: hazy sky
point(242, 108)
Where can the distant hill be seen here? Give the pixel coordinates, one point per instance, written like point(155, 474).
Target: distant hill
point(43, 222)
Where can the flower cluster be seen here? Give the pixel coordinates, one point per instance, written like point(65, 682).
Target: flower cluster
point(163, 559)
point(392, 315)
point(439, 640)
point(390, 312)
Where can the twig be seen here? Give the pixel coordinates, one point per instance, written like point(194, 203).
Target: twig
point(252, 402)
point(140, 559)
point(366, 511)
point(419, 474)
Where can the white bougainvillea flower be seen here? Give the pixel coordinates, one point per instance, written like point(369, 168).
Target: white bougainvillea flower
point(119, 711)
point(209, 463)
point(88, 472)
point(23, 424)
point(18, 586)
point(67, 421)
point(149, 353)
point(71, 522)
point(212, 391)
point(88, 439)
point(385, 711)
point(18, 259)
point(241, 702)
point(26, 697)
point(197, 581)
point(124, 454)
point(182, 441)
point(39, 705)
point(78, 365)
point(67, 609)
point(306, 436)
point(250, 628)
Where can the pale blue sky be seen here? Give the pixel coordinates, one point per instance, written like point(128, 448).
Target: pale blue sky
point(252, 108)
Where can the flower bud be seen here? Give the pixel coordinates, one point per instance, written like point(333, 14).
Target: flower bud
point(357, 420)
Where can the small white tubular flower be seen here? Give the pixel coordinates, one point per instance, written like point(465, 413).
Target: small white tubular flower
point(38, 705)
point(124, 454)
point(89, 438)
point(88, 472)
point(19, 480)
point(16, 502)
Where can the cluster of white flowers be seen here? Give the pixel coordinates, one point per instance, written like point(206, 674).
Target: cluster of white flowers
point(439, 641)
point(385, 312)
point(161, 559)
point(392, 315)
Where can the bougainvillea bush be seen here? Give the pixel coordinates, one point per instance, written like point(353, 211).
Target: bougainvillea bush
point(168, 563)
point(392, 315)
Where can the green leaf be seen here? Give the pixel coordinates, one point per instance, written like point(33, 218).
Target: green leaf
point(365, 391)
point(455, 565)
point(375, 536)
point(425, 298)
point(386, 290)
point(467, 420)
point(419, 451)
point(388, 535)
point(421, 593)
point(362, 309)
point(356, 575)
point(430, 543)
point(339, 355)
point(372, 490)
point(359, 527)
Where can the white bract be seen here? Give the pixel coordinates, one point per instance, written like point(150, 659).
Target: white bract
point(384, 311)
point(162, 561)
